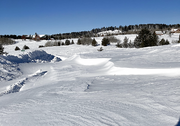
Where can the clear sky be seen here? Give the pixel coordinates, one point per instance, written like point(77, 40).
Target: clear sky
point(61, 16)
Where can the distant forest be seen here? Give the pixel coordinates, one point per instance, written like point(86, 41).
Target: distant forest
point(131, 29)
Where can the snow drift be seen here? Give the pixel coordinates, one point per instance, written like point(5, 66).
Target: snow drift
point(34, 56)
point(9, 64)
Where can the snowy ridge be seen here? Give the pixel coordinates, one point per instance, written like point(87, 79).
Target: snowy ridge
point(88, 62)
point(103, 66)
point(34, 56)
point(17, 86)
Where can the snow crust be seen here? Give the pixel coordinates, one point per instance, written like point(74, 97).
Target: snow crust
point(117, 87)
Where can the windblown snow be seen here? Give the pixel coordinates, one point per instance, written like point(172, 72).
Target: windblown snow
point(78, 86)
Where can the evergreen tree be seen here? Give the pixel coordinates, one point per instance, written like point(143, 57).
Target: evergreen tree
point(17, 48)
point(79, 42)
point(59, 43)
point(125, 42)
point(26, 47)
point(164, 42)
point(62, 43)
point(1, 49)
point(72, 42)
point(119, 45)
point(167, 42)
point(145, 38)
point(94, 42)
point(137, 42)
point(130, 44)
point(67, 42)
point(105, 42)
point(154, 41)
point(86, 41)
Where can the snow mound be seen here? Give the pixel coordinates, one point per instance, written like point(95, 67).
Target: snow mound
point(89, 62)
point(37, 56)
point(103, 66)
point(9, 64)
point(8, 70)
point(17, 86)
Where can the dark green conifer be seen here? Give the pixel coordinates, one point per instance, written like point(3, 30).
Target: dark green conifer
point(94, 42)
point(105, 42)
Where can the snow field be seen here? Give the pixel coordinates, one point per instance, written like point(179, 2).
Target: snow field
point(117, 87)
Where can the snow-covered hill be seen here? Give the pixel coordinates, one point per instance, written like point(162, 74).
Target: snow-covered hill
point(117, 87)
point(110, 32)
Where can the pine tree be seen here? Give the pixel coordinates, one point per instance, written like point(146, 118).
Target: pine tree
point(119, 45)
point(125, 42)
point(79, 42)
point(105, 42)
point(94, 42)
point(59, 43)
point(162, 42)
point(17, 48)
point(137, 42)
point(72, 42)
point(145, 38)
point(167, 42)
point(130, 44)
point(154, 41)
point(1, 49)
point(67, 42)
point(26, 47)
point(62, 43)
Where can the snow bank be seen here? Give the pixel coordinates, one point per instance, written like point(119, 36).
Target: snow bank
point(9, 64)
point(36, 56)
point(17, 86)
point(8, 70)
point(89, 62)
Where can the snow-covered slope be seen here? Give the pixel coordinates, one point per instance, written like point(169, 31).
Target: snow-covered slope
point(117, 87)
point(110, 32)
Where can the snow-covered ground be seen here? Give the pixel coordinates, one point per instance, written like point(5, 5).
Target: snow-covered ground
point(110, 32)
point(78, 86)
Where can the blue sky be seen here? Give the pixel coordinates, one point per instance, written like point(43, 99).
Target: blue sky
point(61, 16)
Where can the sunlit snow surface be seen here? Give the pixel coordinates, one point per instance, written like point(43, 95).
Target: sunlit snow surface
point(115, 87)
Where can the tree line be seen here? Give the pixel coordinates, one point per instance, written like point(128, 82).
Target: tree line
point(130, 29)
